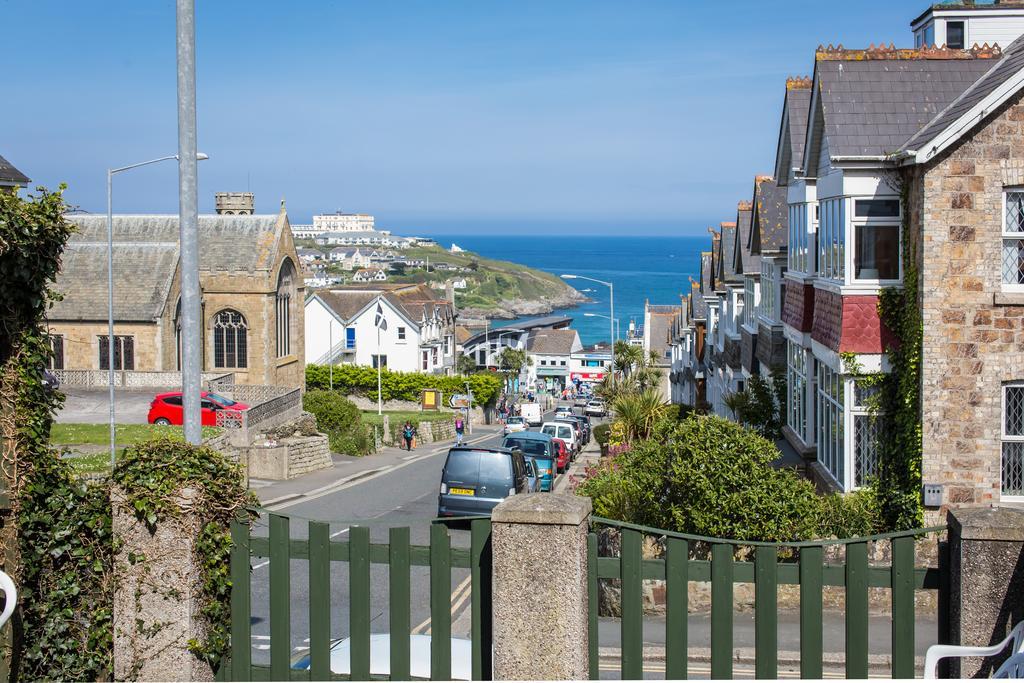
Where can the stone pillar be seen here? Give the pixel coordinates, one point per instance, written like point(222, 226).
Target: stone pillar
point(539, 546)
point(986, 582)
point(157, 595)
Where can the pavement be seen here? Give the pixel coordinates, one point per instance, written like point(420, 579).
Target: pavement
point(92, 406)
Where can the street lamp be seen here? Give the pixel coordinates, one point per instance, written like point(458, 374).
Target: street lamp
point(611, 312)
point(110, 279)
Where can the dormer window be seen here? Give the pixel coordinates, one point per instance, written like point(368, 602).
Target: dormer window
point(955, 35)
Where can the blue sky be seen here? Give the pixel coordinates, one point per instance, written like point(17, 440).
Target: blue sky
point(435, 115)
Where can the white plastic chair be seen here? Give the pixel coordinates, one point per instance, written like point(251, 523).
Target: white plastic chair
point(937, 652)
point(1011, 668)
point(11, 595)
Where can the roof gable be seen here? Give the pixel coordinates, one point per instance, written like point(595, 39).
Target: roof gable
point(9, 175)
point(770, 217)
point(793, 128)
point(743, 260)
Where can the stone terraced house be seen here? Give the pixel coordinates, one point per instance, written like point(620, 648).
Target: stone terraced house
point(889, 163)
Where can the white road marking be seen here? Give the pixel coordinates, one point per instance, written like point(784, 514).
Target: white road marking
point(339, 533)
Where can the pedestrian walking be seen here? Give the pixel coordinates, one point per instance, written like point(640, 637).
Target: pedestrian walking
point(409, 434)
point(460, 429)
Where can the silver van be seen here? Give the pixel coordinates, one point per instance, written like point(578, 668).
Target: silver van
point(475, 479)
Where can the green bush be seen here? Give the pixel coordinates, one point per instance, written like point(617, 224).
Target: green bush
point(601, 433)
point(713, 477)
point(852, 514)
point(361, 380)
point(341, 420)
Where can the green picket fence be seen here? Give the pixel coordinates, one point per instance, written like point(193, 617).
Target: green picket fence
point(320, 551)
point(766, 572)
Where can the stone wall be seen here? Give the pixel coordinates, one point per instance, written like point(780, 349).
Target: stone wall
point(289, 457)
point(973, 332)
point(82, 345)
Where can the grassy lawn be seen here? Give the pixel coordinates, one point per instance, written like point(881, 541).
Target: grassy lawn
point(68, 434)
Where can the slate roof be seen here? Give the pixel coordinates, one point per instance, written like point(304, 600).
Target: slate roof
point(346, 303)
point(798, 100)
point(416, 302)
point(552, 342)
point(744, 260)
point(724, 261)
point(698, 307)
point(145, 257)
point(873, 100)
point(9, 175)
point(770, 231)
point(1012, 62)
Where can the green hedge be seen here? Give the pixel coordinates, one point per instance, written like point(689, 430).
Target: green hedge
point(713, 477)
point(341, 420)
point(401, 386)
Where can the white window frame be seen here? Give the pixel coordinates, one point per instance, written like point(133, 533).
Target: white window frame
point(1007, 235)
point(853, 222)
point(832, 251)
point(856, 411)
point(796, 401)
point(750, 302)
point(801, 226)
point(1007, 438)
point(832, 441)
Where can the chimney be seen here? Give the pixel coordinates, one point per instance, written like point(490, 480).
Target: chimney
point(234, 203)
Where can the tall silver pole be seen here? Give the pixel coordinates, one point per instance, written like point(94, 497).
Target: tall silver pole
point(188, 220)
point(611, 304)
point(110, 306)
point(330, 349)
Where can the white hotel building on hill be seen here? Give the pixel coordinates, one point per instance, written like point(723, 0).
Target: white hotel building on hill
point(334, 222)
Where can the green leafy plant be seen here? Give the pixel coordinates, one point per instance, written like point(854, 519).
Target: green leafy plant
point(638, 412)
point(710, 476)
point(759, 405)
point(341, 420)
point(361, 380)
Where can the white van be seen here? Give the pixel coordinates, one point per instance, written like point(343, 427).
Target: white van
point(532, 414)
point(563, 431)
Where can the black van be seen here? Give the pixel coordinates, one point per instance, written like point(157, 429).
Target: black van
point(475, 479)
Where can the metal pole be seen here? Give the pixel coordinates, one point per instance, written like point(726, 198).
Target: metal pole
point(611, 304)
point(330, 349)
point(379, 408)
point(469, 412)
point(110, 307)
point(188, 210)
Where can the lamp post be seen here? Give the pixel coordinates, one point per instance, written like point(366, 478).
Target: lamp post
point(111, 172)
point(611, 311)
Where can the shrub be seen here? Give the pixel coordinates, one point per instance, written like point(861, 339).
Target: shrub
point(341, 420)
point(852, 514)
point(713, 477)
point(601, 433)
point(402, 386)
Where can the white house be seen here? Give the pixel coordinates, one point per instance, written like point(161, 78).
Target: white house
point(370, 275)
point(550, 353)
point(418, 334)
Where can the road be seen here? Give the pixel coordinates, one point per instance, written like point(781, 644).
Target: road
point(405, 495)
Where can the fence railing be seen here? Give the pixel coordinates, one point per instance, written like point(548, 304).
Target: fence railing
point(268, 406)
point(126, 379)
point(807, 569)
point(319, 551)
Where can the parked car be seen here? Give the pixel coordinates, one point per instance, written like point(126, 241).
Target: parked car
point(167, 409)
point(595, 409)
point(539, 448)
point(380, 657)
point(583, 424)
point(475, 479)
point(563, 455)
point(531, 414)
point(577, 429)
point(563, 411)
point(514, 424)
point(564, 431)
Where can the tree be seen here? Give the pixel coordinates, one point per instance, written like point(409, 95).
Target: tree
point(398, 268)
point(465, 365)
point(511, 363)
point(759, 404)
point(638, 412)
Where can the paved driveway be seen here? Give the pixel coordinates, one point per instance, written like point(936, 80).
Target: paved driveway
point(93, 405)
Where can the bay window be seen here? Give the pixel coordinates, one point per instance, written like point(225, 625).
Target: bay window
point(796, 389)
point(749, 302)
point(769, 305)
point(832, 239)
point(831, 422)
point(802, 224)
point(1013, 239)
point(865, 435)
point(876, 254)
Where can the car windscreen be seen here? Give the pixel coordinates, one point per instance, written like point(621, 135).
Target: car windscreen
point(462, 467)
point(515, 420)
point(565, 432)
point(496, 470)
point(223, 400)
point(528, 446)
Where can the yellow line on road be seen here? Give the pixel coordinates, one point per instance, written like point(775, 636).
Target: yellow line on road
point(457, 598)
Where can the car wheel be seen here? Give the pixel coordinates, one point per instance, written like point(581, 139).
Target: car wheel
point(162, 421)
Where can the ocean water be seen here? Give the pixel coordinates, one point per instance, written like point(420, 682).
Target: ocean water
point(641, 268)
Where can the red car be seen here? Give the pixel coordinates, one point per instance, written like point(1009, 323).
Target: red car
point(166, 409)
point(562, 457)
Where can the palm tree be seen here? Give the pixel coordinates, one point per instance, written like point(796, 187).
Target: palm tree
point(511, 363)
point(628, 357)
point(639, 411)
